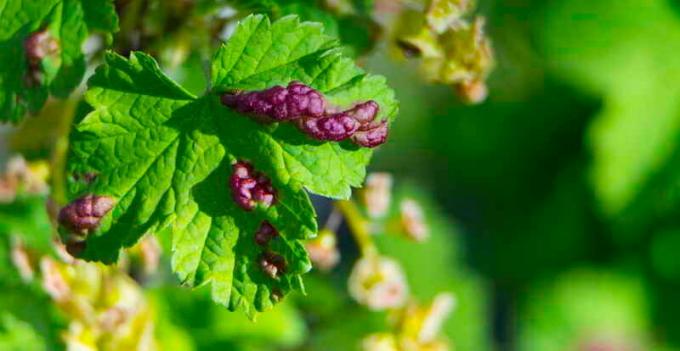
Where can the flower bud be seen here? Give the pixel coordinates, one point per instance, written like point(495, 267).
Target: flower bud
point(378, 283)
point(323, 251)
point(469, 60)
point(441, 14)
point(413, 220)
point(21, 259)
point(112, 318)
point(472, 91)
point(8, 189)
point(20, 176)
point(150, 251)
point(442, 305)
point(53, 280)
point(380, 342)
point(376, 194)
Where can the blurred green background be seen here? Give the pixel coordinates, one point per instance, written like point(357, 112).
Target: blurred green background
point(557, 199)
point(572, 164)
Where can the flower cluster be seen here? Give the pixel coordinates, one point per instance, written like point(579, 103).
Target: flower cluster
point(250, 187)
point(415, 327)
point(103, 307)
point(308, 108)
point(454, 49)
point(21, 177)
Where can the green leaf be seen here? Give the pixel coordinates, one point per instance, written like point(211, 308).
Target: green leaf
point(68, 22)
point(350, 22)
point(165, 158)
point(100, 15)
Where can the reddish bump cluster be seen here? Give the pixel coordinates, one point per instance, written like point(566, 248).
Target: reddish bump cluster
point(83, 215)
point(279, 103)
point(272, 264)
point(307, 107)
point(250, 187)
point(335, 127)
point(357, 124)
point(371, 134)
point(364, 113)
point(38, 46)
point(265, 233)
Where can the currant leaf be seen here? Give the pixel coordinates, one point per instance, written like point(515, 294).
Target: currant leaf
point(227, 188)
point(40, 47)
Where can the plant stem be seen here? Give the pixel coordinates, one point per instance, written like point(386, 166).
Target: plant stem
point(358, 225)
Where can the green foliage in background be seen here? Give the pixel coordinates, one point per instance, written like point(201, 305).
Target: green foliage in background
point(626, 58)
point(585, 308)
point(67, 23)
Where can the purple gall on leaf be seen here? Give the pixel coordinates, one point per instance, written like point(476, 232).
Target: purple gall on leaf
point(365, 112)
point(250, 188)
point(335, 127)
point(83, 215)
point(373, 135)
point(265, 233)
point(272, 264)
point(278, 103)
